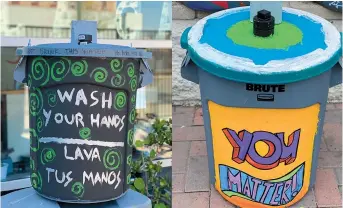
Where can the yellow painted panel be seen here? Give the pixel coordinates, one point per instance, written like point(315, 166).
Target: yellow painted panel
point(263, 157)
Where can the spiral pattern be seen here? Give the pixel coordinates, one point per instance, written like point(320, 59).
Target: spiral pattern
point(120, 100)
point(129, 160)
point(116, 65)
point(130, 135)
point(78, 189)
point(36, 101)
point(29, 81)
point(34, 143)
point(47, 155)
point(32, 164)
point(79, 68)
point(52, 99)
point(133, 99)
point(40, 124)
point(36, 180)
point(85, 133)
point(118, 80)
point(130, 69)
point(128, 179)
point(132, 116)
point(100, 74)
point(60, 69)
point(133, 83)
point(111, 159)
point(40, 70)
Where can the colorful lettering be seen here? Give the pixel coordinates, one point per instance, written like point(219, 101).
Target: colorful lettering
point(244, 148)
point(276, 192)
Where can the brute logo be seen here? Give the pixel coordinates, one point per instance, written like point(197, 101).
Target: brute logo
point(244, 148)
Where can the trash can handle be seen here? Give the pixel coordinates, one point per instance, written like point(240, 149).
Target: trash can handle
point(341, 42)
point(336, 70)
point(184, 38)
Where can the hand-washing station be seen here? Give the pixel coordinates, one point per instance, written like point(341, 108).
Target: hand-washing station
point(264, 74)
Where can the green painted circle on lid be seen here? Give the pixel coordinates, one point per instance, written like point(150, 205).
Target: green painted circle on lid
point(285, 36)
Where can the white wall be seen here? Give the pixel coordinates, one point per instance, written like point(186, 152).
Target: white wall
point(33, 16)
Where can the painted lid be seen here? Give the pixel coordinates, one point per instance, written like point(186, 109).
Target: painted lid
point(83, 44)
point(303, 45)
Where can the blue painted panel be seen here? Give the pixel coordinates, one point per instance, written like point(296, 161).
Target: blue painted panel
point(215, 30)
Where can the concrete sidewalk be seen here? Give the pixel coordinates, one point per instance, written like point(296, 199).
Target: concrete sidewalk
point(191, 186)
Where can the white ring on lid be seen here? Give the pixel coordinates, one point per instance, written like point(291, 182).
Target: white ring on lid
point(316, 57)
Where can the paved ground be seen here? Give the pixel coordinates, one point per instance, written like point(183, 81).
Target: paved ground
point(190, 169)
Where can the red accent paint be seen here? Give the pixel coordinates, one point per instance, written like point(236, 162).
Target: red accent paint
point(222, 4)
point(234, 145)
point(261, 166)
point(13, 62)
point(271, 148)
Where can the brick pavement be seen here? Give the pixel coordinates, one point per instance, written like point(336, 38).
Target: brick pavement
point(191, 186)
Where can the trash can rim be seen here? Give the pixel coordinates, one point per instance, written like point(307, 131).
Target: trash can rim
point(89, 50)
point(264, 78)
point(233, 67)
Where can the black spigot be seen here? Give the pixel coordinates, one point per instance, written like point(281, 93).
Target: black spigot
point(84, 39)
point(264, 23)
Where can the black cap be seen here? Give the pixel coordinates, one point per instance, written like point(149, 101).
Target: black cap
point(264, 23)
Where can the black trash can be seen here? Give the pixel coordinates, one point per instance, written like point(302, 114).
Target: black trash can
point(82, 98)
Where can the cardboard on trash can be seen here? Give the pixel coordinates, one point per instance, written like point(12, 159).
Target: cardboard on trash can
point(82, 98)
point(263, 101)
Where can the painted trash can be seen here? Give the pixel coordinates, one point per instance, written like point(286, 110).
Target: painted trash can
point(82, 98)
point(263, 101)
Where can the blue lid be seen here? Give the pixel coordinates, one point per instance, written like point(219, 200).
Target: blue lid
point(303, 45)
point(83, 44)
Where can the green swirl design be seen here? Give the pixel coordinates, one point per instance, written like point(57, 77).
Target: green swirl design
point(60, 69)
point(29, 81)
point(130, 135)
point(133, 83)
point(128, 178)
point(36, 180)
point(79, 68)
point(47, 155)
point(40, 124)
point(131, 69)
point(116, 65)
point(118, 80)
point(33, 137)
point(111, 159)
point(40, 70)
point(132, 116)
point(119, 100)
point(78, 189)
point(133, 99)
point(129, 160)
point(85, 133)
point(32, 164)
point(52, 99)
point(36, 101)
point(100, 74)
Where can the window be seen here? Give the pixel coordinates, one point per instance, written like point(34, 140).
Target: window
point(116, 20)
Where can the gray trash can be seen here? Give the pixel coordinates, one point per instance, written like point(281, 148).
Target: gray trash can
point(82, 98)
point(263, 100)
